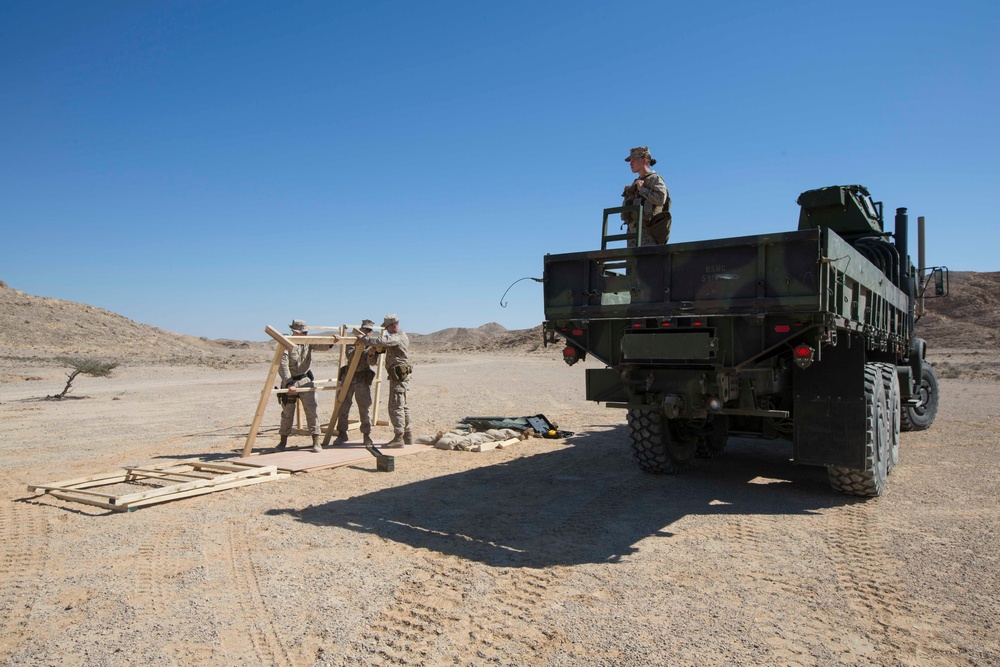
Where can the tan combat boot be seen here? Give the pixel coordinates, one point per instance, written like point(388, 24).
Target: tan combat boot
point(407, 438)
point(341, 439)
point(283, 442)
point(397, 441)
point(368, 440)
point(316, 446)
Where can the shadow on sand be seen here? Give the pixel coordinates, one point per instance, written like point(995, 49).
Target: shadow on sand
point(585, 503)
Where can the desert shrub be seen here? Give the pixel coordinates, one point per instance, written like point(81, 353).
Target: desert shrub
point(84, 366)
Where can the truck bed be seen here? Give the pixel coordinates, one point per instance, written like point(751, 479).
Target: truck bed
point(811, 272)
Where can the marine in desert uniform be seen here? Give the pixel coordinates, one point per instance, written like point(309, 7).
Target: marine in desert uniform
point(360, 390)
point(649, 190)
point(296, 374)
point(396, 345)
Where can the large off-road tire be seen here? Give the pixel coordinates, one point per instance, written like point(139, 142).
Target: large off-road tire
point(652, 445)
point(870, 481)
point(919, 417)
point(890, 380)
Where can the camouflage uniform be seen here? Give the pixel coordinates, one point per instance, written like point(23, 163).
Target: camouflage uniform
point(360, 390)
point(294, 371)
point(396, 357)
point(650, 191)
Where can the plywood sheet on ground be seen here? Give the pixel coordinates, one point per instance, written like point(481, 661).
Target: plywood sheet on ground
point(305, 460)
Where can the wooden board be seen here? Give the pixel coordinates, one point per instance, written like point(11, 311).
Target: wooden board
point(189, 478)
point(306, 460)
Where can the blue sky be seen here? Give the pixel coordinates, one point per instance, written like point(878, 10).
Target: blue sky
point(212, 167)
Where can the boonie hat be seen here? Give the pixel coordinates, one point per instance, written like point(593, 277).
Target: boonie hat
point(390, 320)
point(367, 324)
point(298, 325)
point(640, 152)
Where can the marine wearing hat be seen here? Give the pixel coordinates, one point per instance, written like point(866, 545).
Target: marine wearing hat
point(650, 191)
point(397, 363)
point(360, 391)
point(638, 153)
point(296, 374)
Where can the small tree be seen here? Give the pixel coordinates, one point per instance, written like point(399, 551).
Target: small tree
point(93, 367)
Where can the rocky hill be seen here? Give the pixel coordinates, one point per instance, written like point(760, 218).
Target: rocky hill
point(40, 328)
point(969, 317)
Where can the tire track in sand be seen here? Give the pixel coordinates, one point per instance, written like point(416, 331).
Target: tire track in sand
point(23, 546)
point(255, 617)
point(902, 629)
point(156, 590)
point(451, 612)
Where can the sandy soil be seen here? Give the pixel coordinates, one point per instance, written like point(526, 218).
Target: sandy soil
point(552, 552)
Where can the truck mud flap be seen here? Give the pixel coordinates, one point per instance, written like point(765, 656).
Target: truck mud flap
point(829, 412)
point(605, 385)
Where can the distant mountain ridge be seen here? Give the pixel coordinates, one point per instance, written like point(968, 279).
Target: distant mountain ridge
point(458, 336)
point(40, 328)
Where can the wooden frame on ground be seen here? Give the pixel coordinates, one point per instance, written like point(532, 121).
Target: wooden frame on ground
point(191, 478)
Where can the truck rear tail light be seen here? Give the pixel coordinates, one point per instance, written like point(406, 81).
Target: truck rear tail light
point(577, 332)
point(782, 328)
point(697, 323)
point(803, 355)
point(571, 355)
point(666, 324)
point(636, 325)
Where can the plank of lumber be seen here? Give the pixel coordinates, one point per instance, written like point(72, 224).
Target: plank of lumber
point(318, 340)
point(48, 488)
point(278, 336)
point(173, 475)
point(359, 349)
point(227, 466)
point(288, 342)
point(177, 488)
point(265, 396)
point(65, 495)
point(83, 482)
point(303, 390)
point(202, 491)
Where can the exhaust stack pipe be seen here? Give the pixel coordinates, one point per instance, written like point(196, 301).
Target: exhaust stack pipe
point(906, 277)
point(921, 265)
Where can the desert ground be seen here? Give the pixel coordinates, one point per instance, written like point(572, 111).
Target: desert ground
point(550, 552)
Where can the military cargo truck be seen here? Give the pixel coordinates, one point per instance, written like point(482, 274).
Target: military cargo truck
point(806, 336)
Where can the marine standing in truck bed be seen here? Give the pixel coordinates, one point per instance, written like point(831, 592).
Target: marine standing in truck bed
point(651, 192)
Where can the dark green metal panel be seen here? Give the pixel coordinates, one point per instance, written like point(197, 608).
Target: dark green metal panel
point(829, 407)
point(604, 385)
point(773, 272)
point(668, 345)
point(846, 209)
